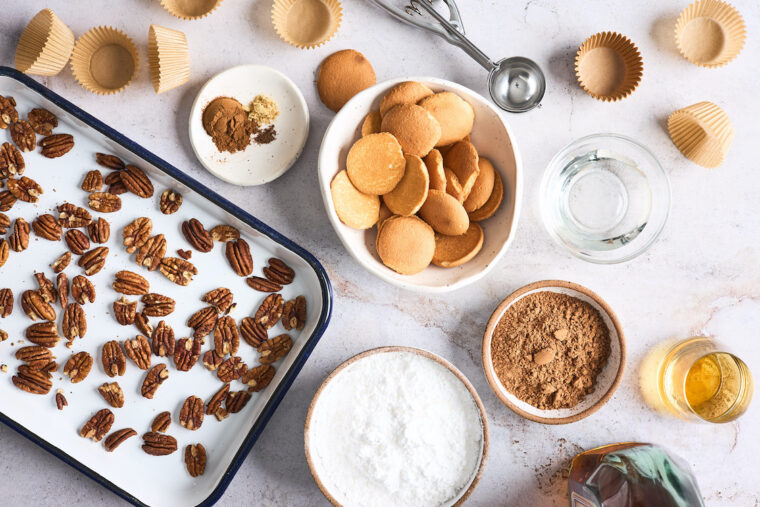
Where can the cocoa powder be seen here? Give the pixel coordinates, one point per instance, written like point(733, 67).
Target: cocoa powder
point(225, 120)
point(548, 349)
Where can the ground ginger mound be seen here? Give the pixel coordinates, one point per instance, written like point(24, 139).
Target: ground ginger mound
point(548, 349)
point(225, 120)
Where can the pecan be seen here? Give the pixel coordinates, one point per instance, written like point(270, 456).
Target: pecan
point(109, 161)
point(161, 423)
point(239, 256)
point(74, 323)
point(125, 311)
point(151, 253)
point(11, 161)
point(191, 414)
point(56, 145)
point(72, 217)
point(171, 200)
point(32, 381)
point(114, 362)
point(157, 305)
point(19, 239)
point(195, 459)
point(93, 181)
point(8, 113)
point(112, 393)
point(62, 285)
point(77, 241)
point(137, 181)
point(46, 289)
point(226, 336)
point(82, 290)
point(46, 226)
point(253, 333)
point(35, 356)
point(212, 360)
point(203, 321)
point(185, 254)
point(42, 121)
point(131, 284)
point(275, 349)
point(177, 270)
point(214, 405)
point(78, 367)
point(25, 189)
point(143, 324)
point(50, 368)
point(5, 223)
point(236, 400)
point(221, 299)
point(99, 230)
point(23, 135)
point(294, 314)
point(5, 249)
point(60, 400)
point(104, 202)
point(117, 188)
point(93, 260)
point(231, 369)
point(263, 284)
point(6, 302)
point(138, 350)
point(112, 178)
point(7, 200)
point(279, 272)
point(163, 340)
point(3, 336)
point(197, 236)
point(44, 334)
point(153, 380)
point(116, 438)
point(186, 353)
point(97, 427)
point(61, 262)
point(258, 378)
point(158, 444)
point(35, 307)
point(136, 233)
point(270, 311)
point(224, 233)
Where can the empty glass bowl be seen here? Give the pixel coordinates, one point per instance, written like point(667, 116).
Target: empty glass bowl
point(605, 197)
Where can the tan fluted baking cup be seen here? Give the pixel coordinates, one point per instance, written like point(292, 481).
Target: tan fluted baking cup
point(168, 58)
point(608, 66)
point(104, 60)
point(45, 45)
point(190, 9)
point(710, 33)
point(702, 132)
point(306, 24)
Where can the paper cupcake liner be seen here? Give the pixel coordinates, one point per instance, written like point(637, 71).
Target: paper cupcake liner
point(710, 33)
point(702, 132)
point(613, 74)
point(45, 45)
point(168, 58)
point(306, 24)
point(190, 9)
point(104, 60)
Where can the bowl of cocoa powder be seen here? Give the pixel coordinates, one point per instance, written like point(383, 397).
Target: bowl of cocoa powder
point(553, 352)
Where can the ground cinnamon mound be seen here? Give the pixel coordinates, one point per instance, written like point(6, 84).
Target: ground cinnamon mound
point(225, 120)
point(548, 349)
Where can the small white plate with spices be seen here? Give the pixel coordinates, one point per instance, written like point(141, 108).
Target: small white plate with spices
point(260, 162)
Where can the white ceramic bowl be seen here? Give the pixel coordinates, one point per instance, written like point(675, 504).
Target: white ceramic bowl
point(493, 139)
point(258, 163)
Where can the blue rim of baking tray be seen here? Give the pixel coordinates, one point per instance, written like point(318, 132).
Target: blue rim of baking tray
point(223, 203)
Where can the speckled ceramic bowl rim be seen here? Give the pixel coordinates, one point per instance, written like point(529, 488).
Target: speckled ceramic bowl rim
point(424, 353)
point(494, 382)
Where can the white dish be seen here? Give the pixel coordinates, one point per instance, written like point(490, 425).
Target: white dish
point(493, 139)
point(258, 163)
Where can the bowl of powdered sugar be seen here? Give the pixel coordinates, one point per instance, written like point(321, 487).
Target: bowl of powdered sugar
point(396, 426)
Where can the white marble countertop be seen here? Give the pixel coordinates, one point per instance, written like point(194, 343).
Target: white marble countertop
point(702, 275)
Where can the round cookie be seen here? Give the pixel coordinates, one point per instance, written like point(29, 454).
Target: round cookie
point(453, 187)
point(483, 186)
point(462, 159)
point(355, 209)
point(375, 163)
point(453, 114)
point(341, 76)
point(434, 164)
point(452, 251)
point(444, 214)
point(411, 191)
point(493, 202)
point(371, 124)
point(414, 128)
point(405, 244)
point(408, 92)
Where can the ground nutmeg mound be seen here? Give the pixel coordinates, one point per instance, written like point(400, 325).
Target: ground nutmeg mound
point(548, 348)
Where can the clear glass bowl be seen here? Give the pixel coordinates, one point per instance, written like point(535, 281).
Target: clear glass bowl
point(605, 197)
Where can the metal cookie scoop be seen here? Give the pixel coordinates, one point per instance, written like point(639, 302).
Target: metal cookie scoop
point(516, 84)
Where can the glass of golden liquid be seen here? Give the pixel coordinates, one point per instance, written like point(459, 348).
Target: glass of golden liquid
point(696, 379)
